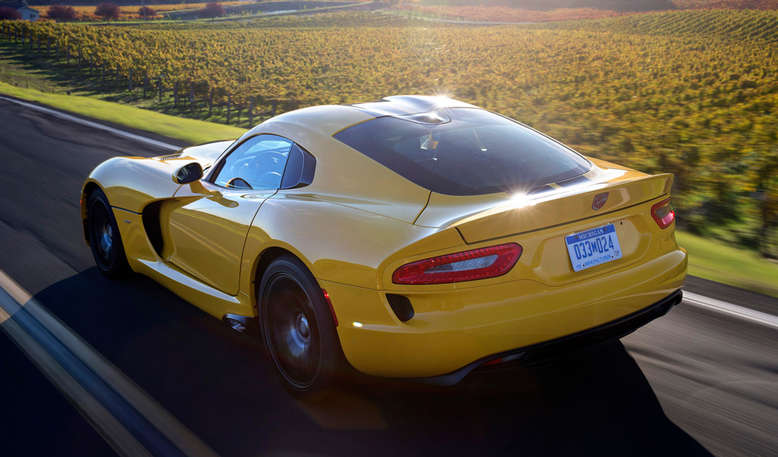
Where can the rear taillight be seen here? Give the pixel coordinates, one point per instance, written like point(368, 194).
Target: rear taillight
point(663, 213)
point(463, 266)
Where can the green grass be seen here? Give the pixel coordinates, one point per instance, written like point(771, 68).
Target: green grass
point(735, 266)
point(17, 75)
point(189, 130)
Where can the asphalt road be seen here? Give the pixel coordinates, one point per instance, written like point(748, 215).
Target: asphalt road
point(694, 382)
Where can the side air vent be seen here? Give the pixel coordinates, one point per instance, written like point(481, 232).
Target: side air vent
point(152, 226)
point(401, 306)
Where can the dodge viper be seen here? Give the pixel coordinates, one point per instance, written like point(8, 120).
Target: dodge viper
point(412, 237)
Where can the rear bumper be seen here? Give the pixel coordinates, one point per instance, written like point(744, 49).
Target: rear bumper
point(546, 350)
point(476, 323)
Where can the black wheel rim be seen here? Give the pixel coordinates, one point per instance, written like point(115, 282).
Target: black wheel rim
point(291, 332)
point(102, 232)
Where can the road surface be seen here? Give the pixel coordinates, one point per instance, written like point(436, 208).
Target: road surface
point(695, 382)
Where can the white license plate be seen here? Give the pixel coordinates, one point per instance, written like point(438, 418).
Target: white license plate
point(593, 247)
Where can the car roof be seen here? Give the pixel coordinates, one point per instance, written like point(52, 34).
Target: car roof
point(328, 120)
point(343, 171)
point(406, 105)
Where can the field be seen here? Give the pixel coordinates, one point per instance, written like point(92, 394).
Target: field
point(691, 93)
point(727, 4)
point(189, 11)
point(505, 13)
point(563, 10)
point(131, 11)
point(748, 27)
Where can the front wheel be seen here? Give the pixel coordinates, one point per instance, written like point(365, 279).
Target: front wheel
point(297, 327)
point(104, 238)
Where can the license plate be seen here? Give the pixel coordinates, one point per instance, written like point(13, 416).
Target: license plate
point(593, 247)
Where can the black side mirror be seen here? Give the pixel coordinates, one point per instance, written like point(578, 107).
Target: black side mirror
point(190, 172)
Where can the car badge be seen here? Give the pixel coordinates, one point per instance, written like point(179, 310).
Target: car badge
point(599, 200)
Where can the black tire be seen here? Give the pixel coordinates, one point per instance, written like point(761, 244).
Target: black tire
point(298, 329)
point(104, 238)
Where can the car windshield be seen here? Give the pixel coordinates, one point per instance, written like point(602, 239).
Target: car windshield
point(465, 151)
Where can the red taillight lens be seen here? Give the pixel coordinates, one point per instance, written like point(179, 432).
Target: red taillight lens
point(462, 266)
point(663, 213)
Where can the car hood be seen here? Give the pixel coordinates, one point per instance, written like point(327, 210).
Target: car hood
point(205, 154)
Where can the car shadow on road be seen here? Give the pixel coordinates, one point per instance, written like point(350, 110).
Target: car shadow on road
point(221, 385)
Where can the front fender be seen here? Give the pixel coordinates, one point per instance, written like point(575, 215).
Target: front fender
point(131, 183)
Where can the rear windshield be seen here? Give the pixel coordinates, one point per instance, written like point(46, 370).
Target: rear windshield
point(465, 151)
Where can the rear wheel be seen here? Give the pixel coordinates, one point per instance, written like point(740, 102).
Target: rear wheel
point(104, 238)
point(297, 327)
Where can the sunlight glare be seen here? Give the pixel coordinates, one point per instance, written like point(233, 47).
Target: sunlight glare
point(521, 200)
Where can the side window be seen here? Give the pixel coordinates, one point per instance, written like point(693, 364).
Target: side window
point(258, 163)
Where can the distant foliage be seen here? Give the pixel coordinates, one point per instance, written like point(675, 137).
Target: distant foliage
point(508, 14)
point(146, 12)
point(727, 4)
point(690, 93)
point(107, 11)
point(615, 5)
point(131, 11)
point(734, 25)
point(61, 13)
point(212, 10)
point(565, 10)
point(349, 19)
point(7, 13)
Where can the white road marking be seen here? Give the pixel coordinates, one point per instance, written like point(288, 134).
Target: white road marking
point(94, 125)
point(13, 289)
point(108, 426)
point(114, 433)
point(731, 309)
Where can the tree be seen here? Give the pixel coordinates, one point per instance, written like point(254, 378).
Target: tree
point(767, 202)
point(146, 13)
point(212, 10)
point(108, 11)
point(8, 13)
point(61, 13)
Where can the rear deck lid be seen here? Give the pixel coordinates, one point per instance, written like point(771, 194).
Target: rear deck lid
point(486, 217)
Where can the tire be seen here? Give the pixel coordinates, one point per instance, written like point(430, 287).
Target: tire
point(298, 329)
point(104, 238)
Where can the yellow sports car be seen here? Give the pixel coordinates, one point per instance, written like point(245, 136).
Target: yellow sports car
point(413, 237)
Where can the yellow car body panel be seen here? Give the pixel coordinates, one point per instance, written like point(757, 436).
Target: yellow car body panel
point(358, 221)
point(540, 299)
point(207, 229)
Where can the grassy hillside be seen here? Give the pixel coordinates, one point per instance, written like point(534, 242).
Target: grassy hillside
point(561, 10)
point(691, 93)
point(189, 131)
point(616, 5)
point(613, 5)
point(743, 26)
point(727, 4)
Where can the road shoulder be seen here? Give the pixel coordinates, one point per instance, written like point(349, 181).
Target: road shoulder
point(735, 295)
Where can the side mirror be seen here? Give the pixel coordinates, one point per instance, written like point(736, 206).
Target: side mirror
point(190, 172)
